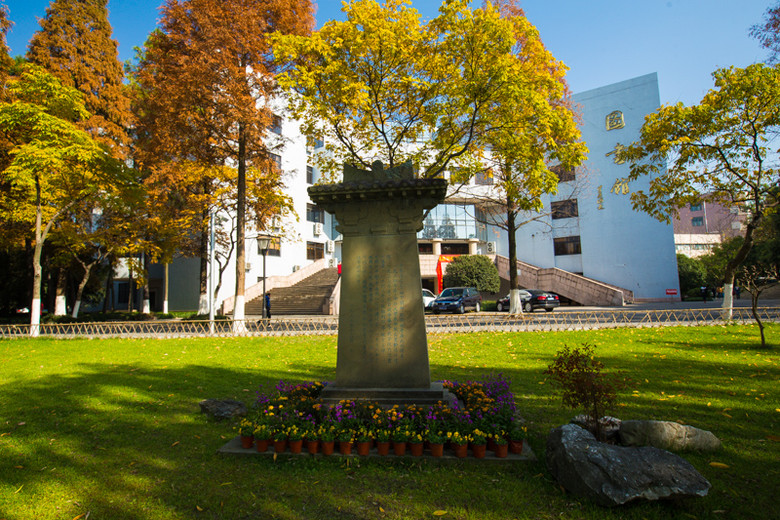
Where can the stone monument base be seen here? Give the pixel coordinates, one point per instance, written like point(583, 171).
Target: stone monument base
point(390, 396)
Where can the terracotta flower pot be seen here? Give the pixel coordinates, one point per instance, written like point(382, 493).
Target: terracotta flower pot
point(296, 446)
point(416, 448)
point(261, 445)
point(501, 450)
point(399, 448)
point(247, 441)
point(460, 450)
point(479, 450)
point(516, 447)
point(345, 447)
point(363, 448)
point(280, 446)
point(313, 445)
point(437, 449)
point(328, 447)
point(383, 448)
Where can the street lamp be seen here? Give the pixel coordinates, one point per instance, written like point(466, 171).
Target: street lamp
point(263, 242)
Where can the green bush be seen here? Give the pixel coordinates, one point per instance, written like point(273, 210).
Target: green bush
point(473, 271)
point(692, 273)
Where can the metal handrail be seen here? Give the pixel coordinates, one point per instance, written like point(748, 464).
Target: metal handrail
point(471, 322)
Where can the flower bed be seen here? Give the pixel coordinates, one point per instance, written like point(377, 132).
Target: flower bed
point(485, 412)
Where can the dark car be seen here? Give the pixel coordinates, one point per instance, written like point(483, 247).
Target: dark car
point(532, 299)
point(457, 299)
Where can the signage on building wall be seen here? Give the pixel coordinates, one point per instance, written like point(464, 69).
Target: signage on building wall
point(620, 186)
point(671, 292)
point(618, 148)
point(600, 198)
point(615, 120)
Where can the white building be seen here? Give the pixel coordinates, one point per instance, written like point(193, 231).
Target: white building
point(588, 228)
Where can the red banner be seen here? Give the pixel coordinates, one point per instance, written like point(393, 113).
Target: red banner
point(443, 259)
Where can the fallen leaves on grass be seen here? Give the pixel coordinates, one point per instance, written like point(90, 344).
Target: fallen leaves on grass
point(719, 465)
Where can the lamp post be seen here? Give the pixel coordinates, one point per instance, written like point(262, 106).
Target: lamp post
point(263, 241)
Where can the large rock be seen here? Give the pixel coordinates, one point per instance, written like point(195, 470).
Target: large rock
point(614, 475)
point(223, 408)
point(667, 435)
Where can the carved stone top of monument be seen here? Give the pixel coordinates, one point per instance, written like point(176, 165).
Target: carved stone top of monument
point(379, 183)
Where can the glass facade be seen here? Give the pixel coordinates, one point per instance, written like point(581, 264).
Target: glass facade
point(448, 222)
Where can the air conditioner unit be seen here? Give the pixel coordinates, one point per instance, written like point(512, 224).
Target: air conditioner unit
point(329, 245)
point(276, 224)
point(318, 228)
point(492, 248)
point(332, 262)
point(296, 267)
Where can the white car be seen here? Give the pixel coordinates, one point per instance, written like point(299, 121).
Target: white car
point(428, 298)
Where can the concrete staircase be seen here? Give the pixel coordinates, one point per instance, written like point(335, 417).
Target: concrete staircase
point(308, 297)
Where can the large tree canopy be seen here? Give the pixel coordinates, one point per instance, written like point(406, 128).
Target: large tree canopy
point(384, 85)
point(204, 101)
point(724, 148)
point(75, 45)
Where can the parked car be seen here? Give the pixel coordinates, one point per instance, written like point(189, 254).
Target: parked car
point(427, 297)
point(531, 300)
point(457, 299)
point(503, 303)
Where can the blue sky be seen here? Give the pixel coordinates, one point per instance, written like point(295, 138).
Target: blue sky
point(602, 41)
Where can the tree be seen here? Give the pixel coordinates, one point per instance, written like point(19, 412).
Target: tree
point(533, 139)
point(53, 166)
point(382, 85)
point(691, 273)
point(768, 32)
point(75, 45)
point(205, 85)
point(473, 271)
point(722, 146)
point(6, 62)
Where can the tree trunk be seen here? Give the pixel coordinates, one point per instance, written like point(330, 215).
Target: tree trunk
point(203, 298)
point(734, 263)
point(60, 301)
point(515, 305)
point(238, 308)
point(131, 292)
point(165, 288)
point(108, 301)
point(80, 290)
point(146, 305)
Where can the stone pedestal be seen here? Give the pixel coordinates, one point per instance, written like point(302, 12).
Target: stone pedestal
point(382, 344)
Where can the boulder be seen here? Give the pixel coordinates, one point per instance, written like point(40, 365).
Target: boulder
point(614, 475)
point(667, 435)
point(223, 408)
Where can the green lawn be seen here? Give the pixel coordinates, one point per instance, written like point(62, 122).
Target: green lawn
point(112, 427)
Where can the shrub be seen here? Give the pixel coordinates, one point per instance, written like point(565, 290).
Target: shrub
point(582, 384)
point(691, 272)
point(473, 271)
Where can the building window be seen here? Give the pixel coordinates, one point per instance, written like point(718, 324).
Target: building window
point(696, 207)
point(454, 248)
point(309, 175)
point(697, 221)
point(277, 160)
point(314, 213)
point(563, 175)
point(315, 251)
point(276, 125)
point(425, 248)
point(567, 246)
point(274, 247)
point(315, 142)
point(564, 209)
point(484, 177)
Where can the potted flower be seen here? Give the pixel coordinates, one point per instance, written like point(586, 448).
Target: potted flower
point(364, 437)
point(478, 443)
point(435, 442)
point(344, 436)
point(280, 439)
point(416, 444)
point(383, 437)
point(295, 438)
point(327, 435)
point(459, 443)
point(500, 447)
point(246, 430)
point(516, 437)
point(311, 439)
point(262, 435)
point(400, 437)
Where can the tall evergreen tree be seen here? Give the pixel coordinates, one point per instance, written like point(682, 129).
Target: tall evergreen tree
point(5, 57)
point(75, 45)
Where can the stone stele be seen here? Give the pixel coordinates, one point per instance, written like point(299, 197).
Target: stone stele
point(382, 343)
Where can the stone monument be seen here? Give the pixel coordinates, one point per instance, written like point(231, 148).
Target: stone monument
point(382, 343)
